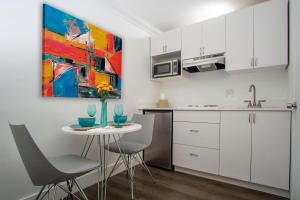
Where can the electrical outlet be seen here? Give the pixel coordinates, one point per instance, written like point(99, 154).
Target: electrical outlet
point(229, 93)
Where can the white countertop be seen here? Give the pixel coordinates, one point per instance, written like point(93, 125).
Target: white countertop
point(283, 109)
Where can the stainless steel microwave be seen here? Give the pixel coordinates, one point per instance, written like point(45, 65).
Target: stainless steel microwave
point(167, 68)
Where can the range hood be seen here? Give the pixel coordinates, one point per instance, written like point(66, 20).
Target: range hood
point(204, 63)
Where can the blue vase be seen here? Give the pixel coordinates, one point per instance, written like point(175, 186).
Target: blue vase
point(103, 117)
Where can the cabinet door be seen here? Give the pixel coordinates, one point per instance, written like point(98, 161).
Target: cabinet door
point(173, 40)
point(271, 34)
point(191, 41)
point(214, 35)
point(271, 149)
point(235, 145)
point(157, 45)
point(239, 40)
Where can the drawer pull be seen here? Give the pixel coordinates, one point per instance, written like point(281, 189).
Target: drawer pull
point(194, 131)
point(194, 155)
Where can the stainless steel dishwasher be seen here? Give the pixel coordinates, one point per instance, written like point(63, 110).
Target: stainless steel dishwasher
point(159, 153)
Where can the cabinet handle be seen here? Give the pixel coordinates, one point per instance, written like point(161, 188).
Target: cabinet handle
point(249, 120)
point(194, 155)
point(201, 51)
point(194, 131)
point(252, 62)
point(255, 62)
point(254, 120)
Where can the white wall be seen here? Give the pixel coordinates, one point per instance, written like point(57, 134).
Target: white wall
point(20, 83)
point(221, 88)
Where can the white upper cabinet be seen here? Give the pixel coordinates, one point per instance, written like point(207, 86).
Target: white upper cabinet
point(239, 40)
point(192, 41)
point(271, 34)
point(166, 43)
point(235, 145)
point(214, 36)
point(203, 38)
point(158, 45)
point(271, 149)
point(257, 37)
point(173, 40)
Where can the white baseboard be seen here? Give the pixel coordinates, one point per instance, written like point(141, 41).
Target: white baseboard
point(266, 189)
point(84, 181)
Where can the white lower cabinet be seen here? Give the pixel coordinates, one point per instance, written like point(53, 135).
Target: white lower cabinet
point(255, 146)
point(235, 145)
point(271, 149)
point(252, 146)
point(196, 158)
point(196, 140)
point(197, 116)
point(196, 134)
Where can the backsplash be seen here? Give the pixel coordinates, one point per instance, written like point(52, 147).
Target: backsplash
point(226, 89)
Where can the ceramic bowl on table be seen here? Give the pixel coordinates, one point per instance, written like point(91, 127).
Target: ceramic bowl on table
point(120, 119)
point(86, 121)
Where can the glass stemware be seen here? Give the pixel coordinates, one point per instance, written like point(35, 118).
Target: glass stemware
point(91, 110)
point(119, 110)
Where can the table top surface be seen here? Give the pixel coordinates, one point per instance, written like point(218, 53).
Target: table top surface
point(104, 131)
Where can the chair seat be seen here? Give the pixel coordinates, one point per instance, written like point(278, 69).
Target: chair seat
point(73, 164)
point(126, 147)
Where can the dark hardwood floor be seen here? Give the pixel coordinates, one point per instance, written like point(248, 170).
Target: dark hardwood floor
point(175, 186)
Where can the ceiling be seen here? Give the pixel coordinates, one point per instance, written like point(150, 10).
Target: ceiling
point(163, 15)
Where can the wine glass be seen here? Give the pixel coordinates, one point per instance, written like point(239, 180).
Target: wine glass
point(119, 109)
point(91, 110)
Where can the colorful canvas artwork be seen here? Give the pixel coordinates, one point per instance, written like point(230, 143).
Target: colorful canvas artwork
point(77, 56)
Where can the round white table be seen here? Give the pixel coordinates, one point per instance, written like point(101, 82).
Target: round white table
point(103, 139)
point(109, 130)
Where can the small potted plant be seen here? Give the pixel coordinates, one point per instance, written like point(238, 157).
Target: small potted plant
point(104, 91)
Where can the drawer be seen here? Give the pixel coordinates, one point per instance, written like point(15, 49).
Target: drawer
point(195, 158)
point(197, 116)
point(196, 134)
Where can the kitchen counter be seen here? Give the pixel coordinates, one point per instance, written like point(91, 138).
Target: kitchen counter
point(283, 109)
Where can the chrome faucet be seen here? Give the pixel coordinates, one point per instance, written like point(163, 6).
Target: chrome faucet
point(253, 88)
point(253, 104)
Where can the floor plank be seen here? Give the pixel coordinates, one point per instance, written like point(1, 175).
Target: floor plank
point(175, 186)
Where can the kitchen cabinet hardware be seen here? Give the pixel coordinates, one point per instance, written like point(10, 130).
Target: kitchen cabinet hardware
point(194, 131)
point(194, 155)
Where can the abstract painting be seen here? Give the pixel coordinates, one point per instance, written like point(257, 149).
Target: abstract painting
point(77, 56)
